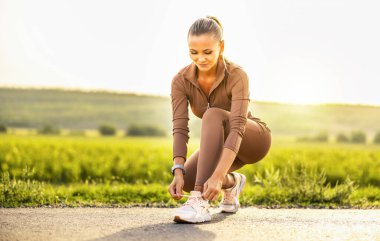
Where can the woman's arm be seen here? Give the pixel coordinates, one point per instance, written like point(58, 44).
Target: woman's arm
point(176, 186)
point(180, 118)
point(227, 158)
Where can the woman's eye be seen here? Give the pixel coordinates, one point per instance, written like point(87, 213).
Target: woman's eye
point(205, 53)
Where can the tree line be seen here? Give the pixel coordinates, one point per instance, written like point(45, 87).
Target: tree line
point(355, 136)
point(103, 129)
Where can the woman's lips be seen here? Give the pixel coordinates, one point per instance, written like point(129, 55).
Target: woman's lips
point(203, 65)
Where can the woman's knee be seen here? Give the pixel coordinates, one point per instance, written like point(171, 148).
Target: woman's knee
point(252, 161)
point(255, 145)
point(214, 113)
point(256, 156)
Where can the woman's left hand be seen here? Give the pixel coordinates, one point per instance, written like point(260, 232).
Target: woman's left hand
point(211, 188)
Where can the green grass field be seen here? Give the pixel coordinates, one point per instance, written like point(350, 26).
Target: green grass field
point(118, 171)
point(80, 167)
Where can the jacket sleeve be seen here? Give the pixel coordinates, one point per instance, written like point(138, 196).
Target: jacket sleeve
point(180, 117)
point(239, 110)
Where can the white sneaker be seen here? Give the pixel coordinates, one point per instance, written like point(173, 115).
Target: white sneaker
point(194, 210)
point(230, 197)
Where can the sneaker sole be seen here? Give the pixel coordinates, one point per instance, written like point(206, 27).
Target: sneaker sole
point(241, 186)
point(178, 219)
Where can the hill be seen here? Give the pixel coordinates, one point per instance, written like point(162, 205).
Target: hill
point(75, 109)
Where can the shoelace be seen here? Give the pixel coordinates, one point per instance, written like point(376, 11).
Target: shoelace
point(228, 196)
point(184, 195)
point(192, 200)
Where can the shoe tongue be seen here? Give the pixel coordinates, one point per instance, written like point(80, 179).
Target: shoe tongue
point(195, 194)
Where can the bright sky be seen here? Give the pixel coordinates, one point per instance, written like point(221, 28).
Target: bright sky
point(299, 51)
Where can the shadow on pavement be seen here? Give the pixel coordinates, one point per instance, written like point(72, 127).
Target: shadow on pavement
point(167, 231)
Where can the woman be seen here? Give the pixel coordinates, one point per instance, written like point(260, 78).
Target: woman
point(231, 137)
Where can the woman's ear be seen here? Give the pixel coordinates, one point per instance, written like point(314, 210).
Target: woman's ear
point(221, 47)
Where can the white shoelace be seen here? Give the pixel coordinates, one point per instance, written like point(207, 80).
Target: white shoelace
point(184, 195)
point(228, 196)
point(230, 193)
point(192, 200)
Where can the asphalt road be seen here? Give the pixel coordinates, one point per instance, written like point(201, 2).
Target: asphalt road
point(156, 224)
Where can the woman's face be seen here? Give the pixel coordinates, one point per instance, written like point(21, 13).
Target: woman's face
point(205, 50)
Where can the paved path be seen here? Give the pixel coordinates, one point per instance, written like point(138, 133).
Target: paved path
point(156, 224)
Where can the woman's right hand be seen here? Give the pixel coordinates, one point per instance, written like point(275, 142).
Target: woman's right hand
point(175, 188)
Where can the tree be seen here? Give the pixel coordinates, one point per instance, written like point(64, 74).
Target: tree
point(107, 130)
point(147, 130)
point(321, 137)
point(48, 129)
point(342, 138)
point(3, 128)
point(377, 138)
point(358, 137)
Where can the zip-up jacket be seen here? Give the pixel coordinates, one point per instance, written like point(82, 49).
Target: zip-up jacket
point(230, 92)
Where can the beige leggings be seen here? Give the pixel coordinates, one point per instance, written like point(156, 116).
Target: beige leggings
point(201, 164)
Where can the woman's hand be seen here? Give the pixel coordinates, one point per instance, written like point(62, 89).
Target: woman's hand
point(175, 188)
point(212, 187)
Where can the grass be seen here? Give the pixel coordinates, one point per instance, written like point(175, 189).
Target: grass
point(31, 193)
point(118, 171)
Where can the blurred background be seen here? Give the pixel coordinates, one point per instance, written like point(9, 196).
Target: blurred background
point(85, 89)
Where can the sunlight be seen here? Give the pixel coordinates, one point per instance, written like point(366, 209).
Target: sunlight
point(292, 56)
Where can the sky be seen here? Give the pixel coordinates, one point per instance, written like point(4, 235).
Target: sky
point(304, 51)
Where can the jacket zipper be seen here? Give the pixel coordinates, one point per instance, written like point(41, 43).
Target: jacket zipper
point(207, 97)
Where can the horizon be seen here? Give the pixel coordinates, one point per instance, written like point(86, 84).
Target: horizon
point(110, 91)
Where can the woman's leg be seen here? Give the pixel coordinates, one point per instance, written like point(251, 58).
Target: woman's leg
point(215, 128)
point(191, 172)
point(256, 142)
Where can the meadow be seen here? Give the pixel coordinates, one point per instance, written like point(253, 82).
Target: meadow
point(79, 167)
point(68, 170)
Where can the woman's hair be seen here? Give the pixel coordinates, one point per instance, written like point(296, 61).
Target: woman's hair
point(208, 25)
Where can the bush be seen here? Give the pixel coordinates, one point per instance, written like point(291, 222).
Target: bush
point(377, 138)
point(139, 130)
point(342, 138)
point(24, 190)
point(319, 137)
point(48, 130)
point(358, 137)
point(107, 130)
point(3, 128)
point(300, 184)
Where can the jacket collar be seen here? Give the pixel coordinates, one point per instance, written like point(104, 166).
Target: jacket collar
point(190, 74)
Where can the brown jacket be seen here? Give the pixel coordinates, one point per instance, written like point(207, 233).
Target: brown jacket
point(229, 92)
